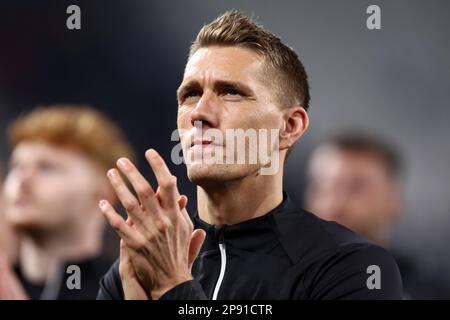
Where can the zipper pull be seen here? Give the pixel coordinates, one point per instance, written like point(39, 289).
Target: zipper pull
point(219, 233)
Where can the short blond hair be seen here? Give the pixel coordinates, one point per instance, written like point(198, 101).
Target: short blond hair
point(78, 127)
point(235, 29)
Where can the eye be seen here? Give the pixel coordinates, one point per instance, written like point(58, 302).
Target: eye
point(47, 167)
point(191, 94)
point(233, 92)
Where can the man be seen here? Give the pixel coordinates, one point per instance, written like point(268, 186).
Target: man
point(54, 182)
point(354, 180)
point(8, 244)
point(8, 237)
point(247, 240)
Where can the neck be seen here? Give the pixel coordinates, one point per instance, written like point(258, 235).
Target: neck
point(42, 252)
point(240, 200)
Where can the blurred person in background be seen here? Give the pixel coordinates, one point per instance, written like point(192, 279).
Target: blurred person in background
point(8, 237)
point(9, 241)
point(354, 179)
point(55, 179)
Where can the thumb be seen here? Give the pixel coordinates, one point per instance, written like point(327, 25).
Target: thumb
point(195, 244)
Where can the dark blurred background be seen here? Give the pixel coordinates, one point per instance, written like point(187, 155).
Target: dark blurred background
point(128, 59)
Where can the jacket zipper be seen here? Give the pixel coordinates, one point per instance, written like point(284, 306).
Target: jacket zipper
point(223, 265)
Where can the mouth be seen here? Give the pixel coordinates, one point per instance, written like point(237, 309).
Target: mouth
point(204, 144)
point(23, 202)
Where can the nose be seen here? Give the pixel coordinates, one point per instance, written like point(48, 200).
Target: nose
point(25, 178)
point(206, 111)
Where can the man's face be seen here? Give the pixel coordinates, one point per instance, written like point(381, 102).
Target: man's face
point(49, 187)
point(8, 237)
point(223, 88)
point(354, 189)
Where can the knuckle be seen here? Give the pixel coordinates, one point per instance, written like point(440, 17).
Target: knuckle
point(130, 205)
point(116, 223)
point(144, 191)
point(171, 182)
point(139, 244)
point(141, 247)
point(162, 225)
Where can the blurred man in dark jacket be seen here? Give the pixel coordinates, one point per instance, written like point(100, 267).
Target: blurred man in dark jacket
point(354, 178)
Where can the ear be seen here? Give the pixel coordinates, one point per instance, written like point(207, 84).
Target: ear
point(296, 122)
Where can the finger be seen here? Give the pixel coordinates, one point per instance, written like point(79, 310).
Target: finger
point(182, 202)
point(143, 189)
point(166, 181)
point(130, 282)
point(129, 222)
point(125, 256)
point(126, 198)
point(133, 260)
point(125, 260)
point(195, 244)
point(130, 236)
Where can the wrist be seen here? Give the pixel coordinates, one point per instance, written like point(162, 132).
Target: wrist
point(159, 292)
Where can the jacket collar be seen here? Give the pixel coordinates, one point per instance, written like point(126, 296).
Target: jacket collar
point(257, 233)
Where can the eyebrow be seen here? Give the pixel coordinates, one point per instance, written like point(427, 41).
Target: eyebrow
point(219, 85)
point(184, 88)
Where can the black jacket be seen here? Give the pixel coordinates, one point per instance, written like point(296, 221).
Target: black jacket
point(286, 254)
point(91, 270)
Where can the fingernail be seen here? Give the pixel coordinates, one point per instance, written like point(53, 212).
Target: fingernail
point(122, 163)
point(152, 153)
point(111, 173)
point(102, 203)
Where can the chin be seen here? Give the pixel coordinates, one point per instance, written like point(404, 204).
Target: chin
point(204, 174)
point(25, 225)
point(24, 220)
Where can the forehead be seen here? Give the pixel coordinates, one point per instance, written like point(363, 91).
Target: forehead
point(225, 63)
point(333, 162)
point(36, 148)
point(32, 151)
